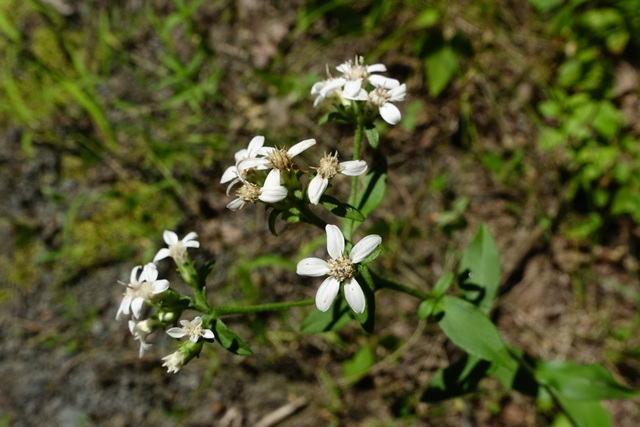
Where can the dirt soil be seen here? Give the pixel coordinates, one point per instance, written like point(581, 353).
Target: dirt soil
point(66, 361)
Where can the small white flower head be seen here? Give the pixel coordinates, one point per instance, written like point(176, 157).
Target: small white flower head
point(177, 248)
point(270, 192)
point(356, 75)
point(326, 88)
point(175, 361)
point(140, 289)
point(382, 97)
point(192, 329)
point(276, 158)
point(328, 168)
point(340, 268)
point(141, 330)
point(251, 152)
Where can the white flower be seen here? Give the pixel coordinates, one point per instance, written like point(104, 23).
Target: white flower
point(193, 330)
point(232, 174)
point(328, 168)
point(174, 361)
point(276, 158)
point(356, 75)
point(270, 192)
point(177, 248)
point(340, 269)
point(382, 97)
point(141, 330)
point(141, 289)
point(326, 88)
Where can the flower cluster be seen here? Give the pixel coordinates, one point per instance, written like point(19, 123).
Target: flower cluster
point(351, 86)
point(144, 287)
point(269, 174)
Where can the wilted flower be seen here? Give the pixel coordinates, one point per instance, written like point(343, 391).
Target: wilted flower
point(174, 362)
point(328, 168)
point(192, 329)
point(177, 248)
point(270, 192)
point(141, 289)
point(340, 268)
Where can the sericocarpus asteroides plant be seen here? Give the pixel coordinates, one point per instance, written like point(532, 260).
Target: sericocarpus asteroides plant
point(192, 329)
point(140, 289)
point(177, 249)
point(341, 269)
point(328, 168)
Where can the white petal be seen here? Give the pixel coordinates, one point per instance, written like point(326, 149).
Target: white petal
point(176, 332)
point(236, 204)
point(149, 273)
point(353, 167)
point(134, 274)
point(124, 307)
point(360, 95)
point(335, 241)
point(385, 82)
point(169, 237)
point(255, 162)
point(197, 320)
point(162, 254)
point(327, 293)
point(352, 87)
point(376, 68)
point(354, 295)
point(390, 113)
point(365, 247)
point(254, 145)
point(143, 347)
point(331, 86)
point(192, 244)
point(230, 173)
point(192, 235)
point(194, 338)
point(313, 267)
point(317, 87)
point(136, 307)
point(273, 194)
point(160, 286)
point(208, 334)
point(273, 179)
point(317, 187)
point(241, 155)
point(184, 322)
point(398, 94)
point(300, 147)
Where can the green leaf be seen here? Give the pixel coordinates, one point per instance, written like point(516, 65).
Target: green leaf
point(480, 270)
point(545, 5)
point(431, 309)
point(458, 379)
point(331, 320)
point(372, 136)
point(358, 366)
point(582, 382)
point(375, 188)
point(343, 210)
point(440, 68)
point(228, 340)
point(470, 329)
point(585, 413)
point(443, 284)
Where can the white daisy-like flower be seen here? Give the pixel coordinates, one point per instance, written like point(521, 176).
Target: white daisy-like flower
point(231, 173)
point(270, 192)
point(175, 361)
point(177, 248)
point(141, 330)
point(276, 158)
point(328, 168)
point(140, 289)
point(192, 329)
point(382, 97)
point(340, 268)
point(356, 75)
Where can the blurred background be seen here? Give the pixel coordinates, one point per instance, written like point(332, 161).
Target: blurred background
point(118, 118)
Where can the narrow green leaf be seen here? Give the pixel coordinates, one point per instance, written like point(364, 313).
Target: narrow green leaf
point(479, 270)
point(228, 340)
point(372, 136)
point(585, 413)
point(356, 367)
point(343, 210)
point(331, 320)
point(469, 328)
point(582, 382)
point(443, 284)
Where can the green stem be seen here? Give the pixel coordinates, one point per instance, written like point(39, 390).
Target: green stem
point(221, 311)
point(384, 283)
point(349, 224)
